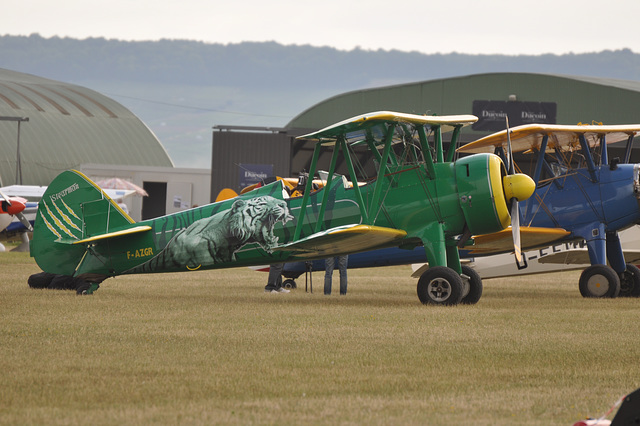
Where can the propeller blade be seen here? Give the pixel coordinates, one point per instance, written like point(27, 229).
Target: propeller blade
point(23, 219)
point(510, 165)
point(515, 231)
point(521, 263)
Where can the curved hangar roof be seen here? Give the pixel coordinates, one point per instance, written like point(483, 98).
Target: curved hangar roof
point(67, 125)
point(574, 99)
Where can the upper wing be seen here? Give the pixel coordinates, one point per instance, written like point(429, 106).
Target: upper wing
point(365, 121)
point(529, 136)
point(502, 242)
point(343, 240)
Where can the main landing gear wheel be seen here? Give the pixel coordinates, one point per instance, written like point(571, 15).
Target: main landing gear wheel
point(289, 284)
point(630, 281)
point(440, 286)
point(472, 286)
point(599, 281)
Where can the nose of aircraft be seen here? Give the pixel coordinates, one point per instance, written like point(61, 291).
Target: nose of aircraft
point(13, 205)
point(518, 186)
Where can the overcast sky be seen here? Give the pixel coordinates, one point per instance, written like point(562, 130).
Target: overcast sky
point(463, 26)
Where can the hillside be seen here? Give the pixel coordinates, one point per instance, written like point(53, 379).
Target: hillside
point(181, 89)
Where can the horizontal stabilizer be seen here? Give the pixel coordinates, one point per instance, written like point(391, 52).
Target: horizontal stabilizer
point(343, 240)
point(115, 234)
point(502, 242)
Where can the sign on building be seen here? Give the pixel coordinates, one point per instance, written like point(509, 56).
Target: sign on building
point(491, 114)
point(253, 173)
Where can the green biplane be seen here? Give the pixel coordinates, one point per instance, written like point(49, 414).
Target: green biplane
point(420, 197)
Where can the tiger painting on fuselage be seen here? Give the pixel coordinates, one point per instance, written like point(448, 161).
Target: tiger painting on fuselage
point(215, 239)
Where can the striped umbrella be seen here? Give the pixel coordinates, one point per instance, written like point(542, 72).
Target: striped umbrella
point(118, 183)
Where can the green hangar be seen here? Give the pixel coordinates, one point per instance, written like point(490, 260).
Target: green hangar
point(523, 97)
point(47, 127)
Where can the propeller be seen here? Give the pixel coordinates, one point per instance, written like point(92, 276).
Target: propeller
point(14, 206)
point(516, 187)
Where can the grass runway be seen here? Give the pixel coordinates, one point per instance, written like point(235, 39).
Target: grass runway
point(210, 347)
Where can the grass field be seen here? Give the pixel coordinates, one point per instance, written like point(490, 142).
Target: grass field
point(211, 347)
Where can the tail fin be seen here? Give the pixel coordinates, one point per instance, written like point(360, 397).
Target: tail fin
point(73, 208)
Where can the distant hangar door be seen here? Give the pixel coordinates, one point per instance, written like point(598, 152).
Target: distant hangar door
point(155, 204)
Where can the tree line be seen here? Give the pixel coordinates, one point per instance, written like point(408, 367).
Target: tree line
point(277, 66)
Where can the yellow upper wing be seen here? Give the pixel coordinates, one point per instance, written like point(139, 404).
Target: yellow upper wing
point(529, 136)
point(361, 122)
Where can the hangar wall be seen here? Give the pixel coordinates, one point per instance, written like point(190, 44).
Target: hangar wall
point(245, 154)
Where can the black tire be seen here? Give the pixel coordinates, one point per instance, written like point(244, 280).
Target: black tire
point(40, 280)
point(62, 282)
point(475, 286)
point(440, 285)
point(289, 284)
point(630, 281)
point(599, 281)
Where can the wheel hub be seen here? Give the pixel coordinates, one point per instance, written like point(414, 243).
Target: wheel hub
point(439, 289)
point(598, 285)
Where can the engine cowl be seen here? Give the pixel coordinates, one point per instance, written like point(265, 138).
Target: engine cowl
point(485, 191)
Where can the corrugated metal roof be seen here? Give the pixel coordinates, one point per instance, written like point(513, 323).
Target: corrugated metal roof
point(579, 99)
point(67, 125)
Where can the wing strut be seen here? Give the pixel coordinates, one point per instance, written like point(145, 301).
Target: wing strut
point(422, 134)
point(438, 141)
point(627, 153)
point(325, 196)
point(589, 159)
point(383, 170)
point(307, 191)
point(604, 157)
point(354, 179)
point(453, 145)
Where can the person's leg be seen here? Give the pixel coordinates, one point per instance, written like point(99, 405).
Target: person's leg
point(328, 272)
point(279, 287)
point(342, 266)
point(275, 275)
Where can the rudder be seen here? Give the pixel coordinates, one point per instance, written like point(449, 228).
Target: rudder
point(72, 208)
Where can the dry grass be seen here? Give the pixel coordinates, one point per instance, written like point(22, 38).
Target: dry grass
point(211, 347)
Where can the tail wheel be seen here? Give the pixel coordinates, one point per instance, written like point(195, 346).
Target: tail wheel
point(472, 280)
point(630, 281)
point(289, 284)
point(599, 281)
point(440, 286)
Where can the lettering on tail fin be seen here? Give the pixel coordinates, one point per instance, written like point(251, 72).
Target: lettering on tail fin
point(215, 239)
